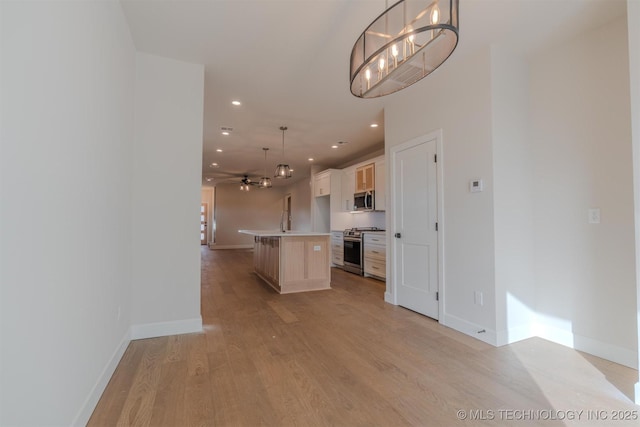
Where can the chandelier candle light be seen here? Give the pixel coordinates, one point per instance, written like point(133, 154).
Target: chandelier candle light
point(403, 45)
point(265, 181)
point(283, 170)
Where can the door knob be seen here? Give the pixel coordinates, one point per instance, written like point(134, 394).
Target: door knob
point(398, 235)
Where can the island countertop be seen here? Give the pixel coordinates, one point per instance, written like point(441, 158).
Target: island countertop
point(278, 233)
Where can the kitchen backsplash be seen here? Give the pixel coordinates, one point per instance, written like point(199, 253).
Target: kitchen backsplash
point(344, 220)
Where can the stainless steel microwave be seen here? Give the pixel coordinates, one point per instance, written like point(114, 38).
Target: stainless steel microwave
point(363, 201)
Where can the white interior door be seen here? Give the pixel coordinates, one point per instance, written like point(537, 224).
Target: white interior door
point(416, 238)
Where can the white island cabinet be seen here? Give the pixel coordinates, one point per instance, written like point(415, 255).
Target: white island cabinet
point(292, 261)
point(337, 248)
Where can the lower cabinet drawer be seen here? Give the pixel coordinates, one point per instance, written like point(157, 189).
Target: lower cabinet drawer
point(375, 268)
point(337, 260)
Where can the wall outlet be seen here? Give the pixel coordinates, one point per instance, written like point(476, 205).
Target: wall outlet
point(478, 298)
point(594, 215)
point(317, 248)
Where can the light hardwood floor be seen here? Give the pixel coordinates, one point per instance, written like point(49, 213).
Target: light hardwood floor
point(342, 357)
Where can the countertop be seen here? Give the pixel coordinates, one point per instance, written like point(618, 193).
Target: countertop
point(278, 233)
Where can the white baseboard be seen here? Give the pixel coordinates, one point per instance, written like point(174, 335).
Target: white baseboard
point(388, 298)
point(607, 351)
point(516, 334)
point(469, 328)
point(161, 329)
point(215, 247)
point(82, 418)
point(637, 393)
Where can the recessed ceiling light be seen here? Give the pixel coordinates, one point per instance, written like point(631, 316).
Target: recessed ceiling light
point(334, 146)
point(214, 165)
point(219, 150)
point(374, 125)
point(209, 179)
point(236, 103)
point(311, 159)
point(225, 133)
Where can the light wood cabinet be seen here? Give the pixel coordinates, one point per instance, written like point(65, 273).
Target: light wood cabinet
point(365, 178)
point(337, 248)
point(375, 255)
point(266, 258)
point(293, 263)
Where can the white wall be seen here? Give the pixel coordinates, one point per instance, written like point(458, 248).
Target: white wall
point(300, 205)
point(555, 275)
point(257, 209)
point(166, 196)
point(513, 203)
point(633, 16)
point(66, 139)
point(581, 145)
point(458, 102)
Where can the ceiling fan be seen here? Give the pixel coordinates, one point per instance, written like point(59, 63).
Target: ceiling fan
point(245, 182)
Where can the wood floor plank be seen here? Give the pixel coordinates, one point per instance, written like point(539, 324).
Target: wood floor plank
point(169, 403)
point(108, 411)
point(138, 408)
point(341, 357)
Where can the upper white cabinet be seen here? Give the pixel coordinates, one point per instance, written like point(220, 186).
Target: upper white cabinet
point(348, 189)
point(326, 186)
point(381, 193)
point(322, 184)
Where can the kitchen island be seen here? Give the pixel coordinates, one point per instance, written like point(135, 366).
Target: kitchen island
point(292, 261)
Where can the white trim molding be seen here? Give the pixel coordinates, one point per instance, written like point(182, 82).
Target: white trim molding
point(82, 418)
point(607, 351)
point(216, 247)
point(162, 329)
point(472, 329)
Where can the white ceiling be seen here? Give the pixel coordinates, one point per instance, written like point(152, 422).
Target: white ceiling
point(288, 62)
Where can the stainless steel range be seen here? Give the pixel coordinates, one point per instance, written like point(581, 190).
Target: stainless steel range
point(352, 240)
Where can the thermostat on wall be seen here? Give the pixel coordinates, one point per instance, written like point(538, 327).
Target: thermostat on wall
point(475, 186)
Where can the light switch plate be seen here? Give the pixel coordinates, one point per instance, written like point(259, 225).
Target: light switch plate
point(475, 186)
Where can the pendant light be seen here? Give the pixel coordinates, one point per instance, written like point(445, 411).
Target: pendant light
point(403, 45)
point(283, 170)
point(265, 181)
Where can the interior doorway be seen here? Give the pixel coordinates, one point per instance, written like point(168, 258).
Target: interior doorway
point(204, 231)
point(416, 242)
point(287, 211)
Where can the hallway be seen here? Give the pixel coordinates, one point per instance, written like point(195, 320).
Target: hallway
point(344, 357)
